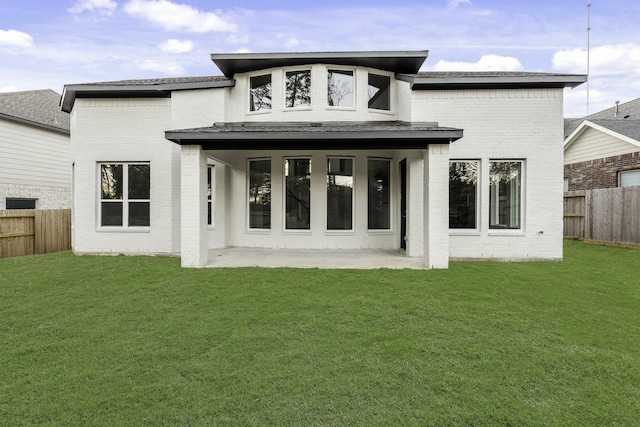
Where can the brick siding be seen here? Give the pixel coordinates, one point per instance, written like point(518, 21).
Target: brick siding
point(600, 173)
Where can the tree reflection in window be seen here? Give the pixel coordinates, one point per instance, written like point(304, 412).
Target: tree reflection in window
point(505, 194)
point(260, 193)
point(340, 88)
point(463, 184)
point(339, 194)
point(379, 209)
point(298, 89)
point(260, 93)
point(298, 194)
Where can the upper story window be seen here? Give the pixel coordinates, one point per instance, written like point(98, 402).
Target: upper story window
point(340, 88)
point(260, 93)
point(297, 88)
point(379, 92)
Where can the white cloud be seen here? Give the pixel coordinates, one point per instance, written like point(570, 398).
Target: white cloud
point(176, 46)
point(453, 4)
point(178, 17)
point(103, 6)
point(170, 68)
point(485, 63)
point(607, 60)
point(242, 50)
point(291, 42)
point(8, 89)
point(15, 38)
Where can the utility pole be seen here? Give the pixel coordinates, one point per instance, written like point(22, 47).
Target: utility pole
point(588, 49)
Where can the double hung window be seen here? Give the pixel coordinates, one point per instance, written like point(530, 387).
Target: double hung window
point(125, 194)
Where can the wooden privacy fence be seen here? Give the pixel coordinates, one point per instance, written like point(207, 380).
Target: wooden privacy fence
point(610, 215)
point(29, 232)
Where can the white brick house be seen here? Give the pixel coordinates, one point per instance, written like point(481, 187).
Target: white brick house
point(350, 150)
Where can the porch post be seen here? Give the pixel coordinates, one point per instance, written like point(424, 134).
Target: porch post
point(436, 206)
point(193, 207)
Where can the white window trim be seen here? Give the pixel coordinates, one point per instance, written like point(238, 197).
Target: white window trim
point(354, 98)
point(509, 231)
point(476, 230)
point(125, 227)
point(247, 215)
point(248, 107)
point(353, 197)
point(392, 92)
point(284, 89)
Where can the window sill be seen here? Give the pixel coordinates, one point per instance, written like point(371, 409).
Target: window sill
point(339, 233)
point(263, 231)
point(287, 109)
point(461, 232)
point(123, 229)
point(381, 232)
point(386, 112)
point(329, 108)
point(257, 113)
point(297, 232)
point(507, 233)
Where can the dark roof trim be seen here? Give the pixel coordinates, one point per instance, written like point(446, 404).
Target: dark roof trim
point(300, 139)
point(132, 90)
point(35, 124)
point(394, 61)
point(452, 81)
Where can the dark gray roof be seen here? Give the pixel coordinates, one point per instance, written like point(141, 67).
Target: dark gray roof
point(441, 80)
point(311, 136)
point(394, 61)
point(629, 128)
point(138, 88)
point(35, 107)
point(629, 111)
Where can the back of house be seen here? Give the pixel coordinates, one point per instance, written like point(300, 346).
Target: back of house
point(323, 150)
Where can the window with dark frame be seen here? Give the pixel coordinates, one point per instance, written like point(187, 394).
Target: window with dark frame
point(379, 92)
point(210, 189)
point(20, 203)
point(297, 194)
point(260, 93)
point(297, 89)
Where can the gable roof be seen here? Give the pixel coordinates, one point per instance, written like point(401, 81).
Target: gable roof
point(394, 61)
point(629, 111)
point(36, 107)
point(625, 130)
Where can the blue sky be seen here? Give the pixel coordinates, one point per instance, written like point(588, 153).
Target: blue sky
point(47, 44)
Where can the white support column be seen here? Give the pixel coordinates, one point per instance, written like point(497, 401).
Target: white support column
point(193, 206)
point(436, 206)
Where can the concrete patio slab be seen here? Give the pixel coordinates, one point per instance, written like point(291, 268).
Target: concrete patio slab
point(312, 258)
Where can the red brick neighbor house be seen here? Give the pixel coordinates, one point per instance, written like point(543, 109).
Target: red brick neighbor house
point(602, 150)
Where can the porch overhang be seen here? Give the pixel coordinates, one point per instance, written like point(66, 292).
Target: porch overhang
point(315, 136)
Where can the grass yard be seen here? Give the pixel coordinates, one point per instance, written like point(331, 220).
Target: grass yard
point(134, 341)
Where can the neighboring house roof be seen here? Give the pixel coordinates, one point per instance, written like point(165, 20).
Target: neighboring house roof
point(36, 107)
point(629, 111)
point(361, 135)
point(625, 130)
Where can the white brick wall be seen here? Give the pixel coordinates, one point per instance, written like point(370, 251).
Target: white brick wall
point(47, 197)
point(507, 124)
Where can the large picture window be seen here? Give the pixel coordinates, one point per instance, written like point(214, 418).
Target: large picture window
point(340, 88)
point(298, 194)
point(125, 194)
point(379, 208)
point(260, 193)
point(339, 194)
point(260, 93)
point(463, 194)
point(297, 89)
point(505, 194)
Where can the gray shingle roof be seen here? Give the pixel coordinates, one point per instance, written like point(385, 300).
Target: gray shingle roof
point(627, 112)
point(37, 107)
point(159, 81)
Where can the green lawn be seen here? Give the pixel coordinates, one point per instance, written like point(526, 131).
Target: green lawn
point(139, 341)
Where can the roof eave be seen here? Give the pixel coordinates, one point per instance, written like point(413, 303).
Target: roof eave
point(493, 82)
point(71, 92)
point(393, 61)
point(35, 124)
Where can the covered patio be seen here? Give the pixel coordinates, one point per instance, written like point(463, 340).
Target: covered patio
point(363, 259)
